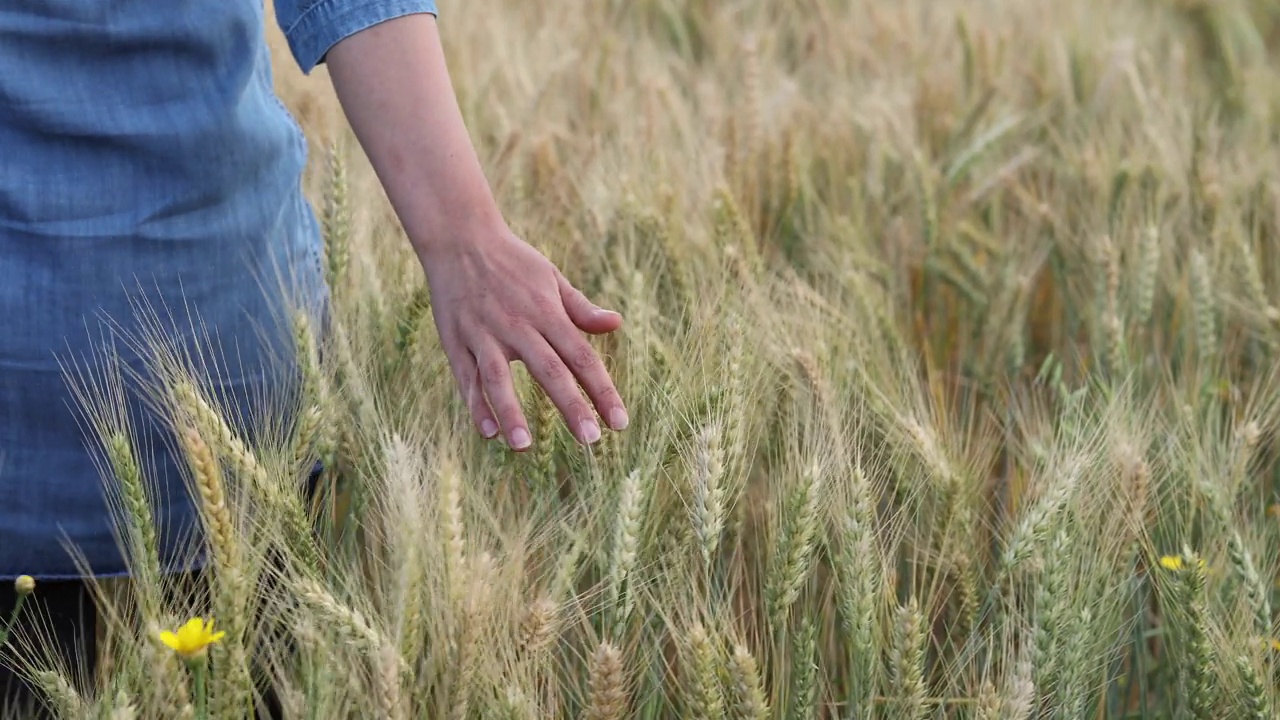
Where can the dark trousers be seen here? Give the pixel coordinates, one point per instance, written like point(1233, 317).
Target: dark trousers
point(62, 616)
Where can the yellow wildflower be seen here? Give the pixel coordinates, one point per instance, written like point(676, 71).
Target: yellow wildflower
point(1176, 562)
point(192, 639)
point(1274, 510)
point(1275, 644)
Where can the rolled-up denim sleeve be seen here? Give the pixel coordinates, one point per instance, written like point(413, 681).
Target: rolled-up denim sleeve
point(313, 26)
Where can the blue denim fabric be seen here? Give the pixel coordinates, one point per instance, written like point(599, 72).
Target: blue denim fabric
point(144, 160)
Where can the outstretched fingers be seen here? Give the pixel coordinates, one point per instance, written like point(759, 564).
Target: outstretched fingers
point(495, 377)
point(550, 343)
point(581, 358)
point(584, 365)
point(467, 374)
point(553, 374)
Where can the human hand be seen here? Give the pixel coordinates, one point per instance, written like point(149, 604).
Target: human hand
point(495, 300)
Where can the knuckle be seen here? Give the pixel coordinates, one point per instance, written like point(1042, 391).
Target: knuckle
point(551, 367)
point(494, 371)
point(543, 305)
point(583, 357)
point(607, 395)
point(576, 409)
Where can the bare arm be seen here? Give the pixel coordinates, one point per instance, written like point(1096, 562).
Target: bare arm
point(495, 298)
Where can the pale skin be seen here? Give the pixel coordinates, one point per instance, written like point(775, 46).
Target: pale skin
point(495, 299)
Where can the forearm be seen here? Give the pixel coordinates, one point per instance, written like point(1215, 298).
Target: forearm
point(494, 297)
point(395, 90)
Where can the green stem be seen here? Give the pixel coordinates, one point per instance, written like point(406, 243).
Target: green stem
point(201, 694)
point(1140, 645)
point(13, 619)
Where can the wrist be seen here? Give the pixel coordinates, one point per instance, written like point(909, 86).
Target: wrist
point(457, 234)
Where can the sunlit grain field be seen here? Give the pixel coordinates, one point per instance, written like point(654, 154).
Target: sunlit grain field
point(950, 349)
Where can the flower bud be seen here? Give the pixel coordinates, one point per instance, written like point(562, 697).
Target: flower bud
point(24, 585)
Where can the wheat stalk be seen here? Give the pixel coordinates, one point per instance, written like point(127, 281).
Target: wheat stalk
point(794, 551)
point(906, 661)
point(704, 697)
point(608, 694)
point(708, 493)
point(748, 699)
point(626, 540)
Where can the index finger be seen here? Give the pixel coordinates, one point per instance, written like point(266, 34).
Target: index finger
point(589, 369)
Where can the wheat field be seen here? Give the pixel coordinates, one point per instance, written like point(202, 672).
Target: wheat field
point(950, 350)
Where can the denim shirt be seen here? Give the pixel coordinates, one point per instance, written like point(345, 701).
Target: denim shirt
point(145, 161)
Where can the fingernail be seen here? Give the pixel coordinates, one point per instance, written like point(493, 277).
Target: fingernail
point(488, 428)
point(590, 431)
point(520, 439)
point(618, 419)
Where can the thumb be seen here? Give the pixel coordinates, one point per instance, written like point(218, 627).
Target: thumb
point(588, 316)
